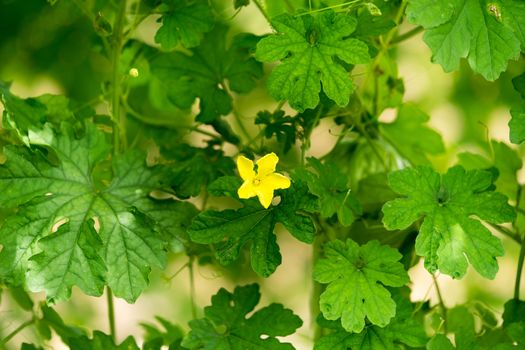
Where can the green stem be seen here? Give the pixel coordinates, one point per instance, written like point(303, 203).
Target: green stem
point(509, 233)
point(331, 7)
point(119, 131)
point(15, 332)
point(192, 288)
point(111, 314)
point(317, 289)
point(441, 303)
point(406, 35)
point(238, 119)
point(519, 271)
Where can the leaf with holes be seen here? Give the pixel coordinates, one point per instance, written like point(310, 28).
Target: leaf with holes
point(73, 229)
point(226, 326)
point(449, 238)
point(310, 49)
point(356, 277)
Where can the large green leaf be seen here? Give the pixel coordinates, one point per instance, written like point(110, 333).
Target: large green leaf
point(307, 47)
point(356, 278)
point(449, 238)
point(70, 227)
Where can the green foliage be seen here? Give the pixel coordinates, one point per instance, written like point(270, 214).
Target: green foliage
point(209, 73)
point(229, 230)
point(185, 22)
point(489, 34)
point(307, 47)
point(448, 234)
point(402, 329)
point(126, 179)
point(356, 278)
point(226, 325)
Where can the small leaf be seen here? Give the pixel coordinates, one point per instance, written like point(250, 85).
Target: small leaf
point(307, 46)
point(356, 278)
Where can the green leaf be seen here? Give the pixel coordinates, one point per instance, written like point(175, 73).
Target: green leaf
point(283, 127)
point(101, 341)
point(514, 311)
point(449, 238)
point(184, 21)
point(411, 137)
point(194, 168)
point(473, 29)
point(403, 329)
point(308, 47)
point(237, 4)
point(517, 126)
point(356, 278)
point(519, 84)
point(507, 162)
point(226, 325)
point(209, 73)
point(229, 230)
point(329, 184)
point(169, 335)
point(71, 228)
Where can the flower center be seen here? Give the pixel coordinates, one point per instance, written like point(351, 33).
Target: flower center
point(256, 181)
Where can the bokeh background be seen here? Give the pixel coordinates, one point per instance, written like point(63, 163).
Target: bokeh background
point(53, 49)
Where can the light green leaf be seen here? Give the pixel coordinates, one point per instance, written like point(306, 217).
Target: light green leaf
point(411, 137)
point(517, 126)
point(101, 341)
point(356, 278)
point(473, 29)
point(227, 327)
point(185, 21)
point(307, 47)
point(449, 235)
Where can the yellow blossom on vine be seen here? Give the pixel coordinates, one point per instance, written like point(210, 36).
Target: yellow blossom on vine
point(263, 182)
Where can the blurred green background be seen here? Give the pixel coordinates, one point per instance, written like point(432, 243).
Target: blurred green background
point(54, 49)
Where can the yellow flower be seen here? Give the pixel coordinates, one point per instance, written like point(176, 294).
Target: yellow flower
point(264, 182)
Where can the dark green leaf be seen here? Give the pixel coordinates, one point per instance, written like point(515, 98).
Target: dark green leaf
point(227, 327)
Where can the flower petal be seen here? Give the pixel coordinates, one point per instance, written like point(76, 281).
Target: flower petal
point(246, 190)
point(266, 165)
point(275, 181)
point(265, 195)
point(245, 167)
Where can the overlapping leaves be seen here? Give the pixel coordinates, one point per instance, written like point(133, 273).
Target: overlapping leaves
point(449, 238)
point(227, 327)
point(229, 230)
point(356, 278)
point(308, 47)
point(403, 328)
point(71, 227)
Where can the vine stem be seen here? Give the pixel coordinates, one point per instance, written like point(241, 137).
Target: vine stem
point(119, 133)
point(519, 271)
point(192, 288)
point(111, 314)
point(441, 302)
point(15, 332)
